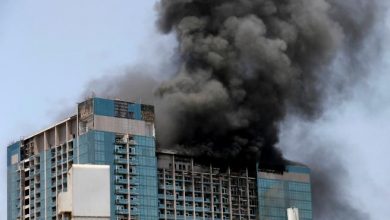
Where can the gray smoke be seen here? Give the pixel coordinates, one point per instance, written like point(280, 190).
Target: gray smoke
point(246, 65)
point(305, 141)
point(133, 84)
point(330, 200)
point(243, 65)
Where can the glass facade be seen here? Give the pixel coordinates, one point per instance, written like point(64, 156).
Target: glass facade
point(132, 159)
point(146, 178)
point(13, 181)
point(277, 192)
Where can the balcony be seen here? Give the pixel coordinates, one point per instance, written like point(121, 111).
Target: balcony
point(121, 161)
point(134, 182)
point(122, 211)
point(121, 202)
point(120, 141)
point(169, 187)
point(134, 203)
point(197, 199)
point(121, 181)
point(134, 192)
point(200, 209)
point(169, 197)
point(120, 151)
point(121, 171)
point(132, 163)
point(134, 212)
point(121, 191)
point(133, 172)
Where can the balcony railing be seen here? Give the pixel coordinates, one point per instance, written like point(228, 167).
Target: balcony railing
point(120, 151)
point(121, 171)
point(121, 201)
point(121, 181)
point(121, 161)
point(122, 211)
point(121, 191)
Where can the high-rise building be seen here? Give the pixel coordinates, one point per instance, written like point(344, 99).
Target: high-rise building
point(143, 184)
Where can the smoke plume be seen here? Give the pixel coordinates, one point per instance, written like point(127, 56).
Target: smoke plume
point(241, 67)
point(245, 64)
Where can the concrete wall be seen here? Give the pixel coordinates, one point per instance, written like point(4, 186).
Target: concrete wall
point(124, 126)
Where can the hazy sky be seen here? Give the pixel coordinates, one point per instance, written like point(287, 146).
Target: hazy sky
point(50, 50)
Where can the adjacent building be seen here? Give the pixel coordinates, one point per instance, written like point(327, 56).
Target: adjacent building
point(117, 139)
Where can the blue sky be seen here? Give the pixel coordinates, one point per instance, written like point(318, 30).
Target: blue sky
point(50, 50)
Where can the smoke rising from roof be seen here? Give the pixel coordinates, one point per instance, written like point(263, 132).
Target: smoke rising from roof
point(245, 64)
point(242, 67)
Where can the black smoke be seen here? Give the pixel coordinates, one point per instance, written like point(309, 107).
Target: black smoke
point(245, 64)
point(242, 67)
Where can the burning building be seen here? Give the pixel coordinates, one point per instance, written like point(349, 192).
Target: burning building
point(241, 67)
point(112, 144)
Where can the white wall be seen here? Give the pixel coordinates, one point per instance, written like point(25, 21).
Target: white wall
point(88, 195)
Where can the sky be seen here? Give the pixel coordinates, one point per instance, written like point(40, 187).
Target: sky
point(51, 50)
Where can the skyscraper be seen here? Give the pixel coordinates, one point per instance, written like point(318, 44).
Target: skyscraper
point(144, 184)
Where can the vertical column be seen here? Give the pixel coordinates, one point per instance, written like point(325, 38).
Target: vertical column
point(184, 194)
point(174, 186)
point(77, 145)
point(67, 144)
point(128, 176)
point(193, 189)
point(239, 199)
point(57, 165)
point(165, 195)
point(202, 189)
point(20, 189)
point(247, 193)
point(45, 147)
point(56, 136)
point(230, 195)
point(35, 153)
point(212, 192)
point(221, 196)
